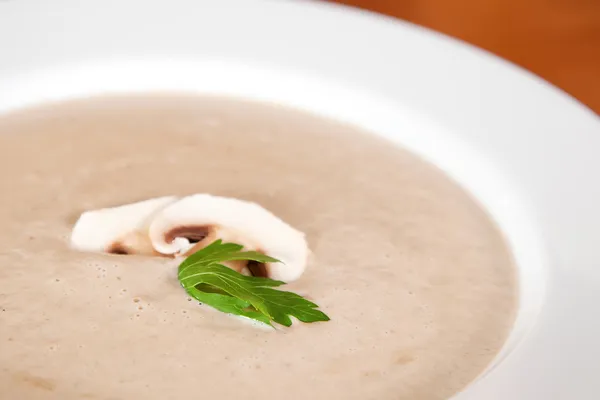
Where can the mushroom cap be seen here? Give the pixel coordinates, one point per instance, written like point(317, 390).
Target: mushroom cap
point(203, 218)
point(121, 229)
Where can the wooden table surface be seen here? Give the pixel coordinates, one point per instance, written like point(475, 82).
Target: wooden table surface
point(558, 40)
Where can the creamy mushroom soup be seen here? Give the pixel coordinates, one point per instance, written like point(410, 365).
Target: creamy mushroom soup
point(417, 280)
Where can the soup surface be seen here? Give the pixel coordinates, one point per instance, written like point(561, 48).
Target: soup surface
point(417, 280)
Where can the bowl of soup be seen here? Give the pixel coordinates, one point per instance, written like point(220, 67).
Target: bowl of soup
point(416, 239)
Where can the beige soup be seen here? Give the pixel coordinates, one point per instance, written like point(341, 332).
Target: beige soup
point(416, 278)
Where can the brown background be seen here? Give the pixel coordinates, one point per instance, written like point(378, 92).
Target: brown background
point(556, 39)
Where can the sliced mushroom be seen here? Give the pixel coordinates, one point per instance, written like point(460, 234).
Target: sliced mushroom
point(172, 226)
point(119, 230)
point(194, 222)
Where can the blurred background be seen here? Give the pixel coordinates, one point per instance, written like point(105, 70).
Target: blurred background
point(558, 40)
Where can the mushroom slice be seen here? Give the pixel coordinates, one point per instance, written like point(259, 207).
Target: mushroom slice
point(118, 230)
point(194, 222)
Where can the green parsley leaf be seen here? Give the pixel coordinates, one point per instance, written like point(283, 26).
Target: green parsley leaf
point(205, 279)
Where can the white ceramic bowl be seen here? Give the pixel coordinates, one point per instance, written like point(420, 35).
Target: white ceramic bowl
point(526, 150)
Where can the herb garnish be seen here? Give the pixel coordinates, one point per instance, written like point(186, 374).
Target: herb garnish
point(205, 279)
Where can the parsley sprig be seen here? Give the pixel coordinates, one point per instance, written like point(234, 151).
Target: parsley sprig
point(207, 280)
